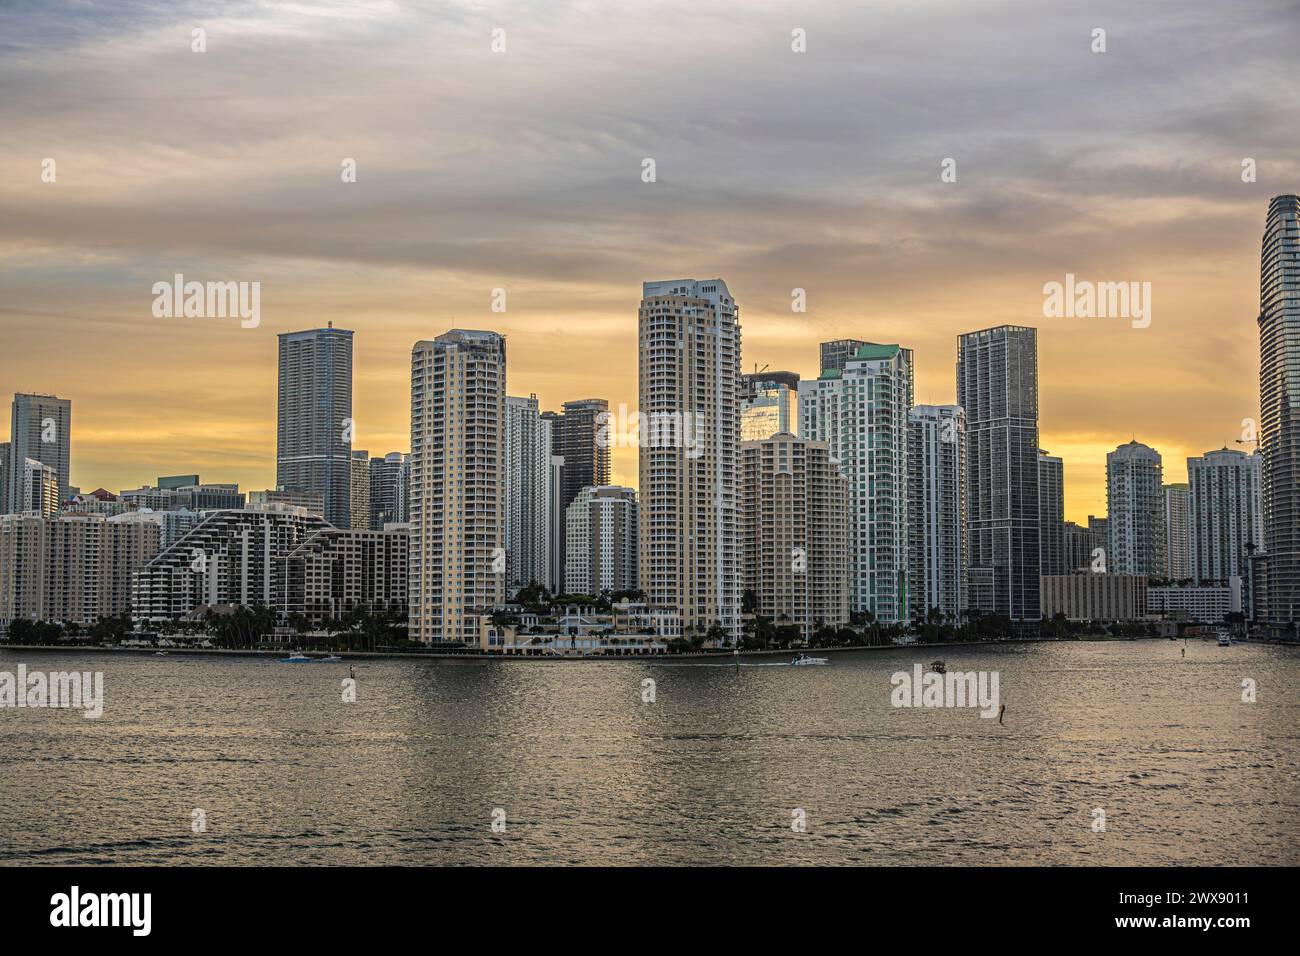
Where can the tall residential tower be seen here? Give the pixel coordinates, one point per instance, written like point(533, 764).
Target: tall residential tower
point(689, 393)
point(314, 424)
point(458, 558)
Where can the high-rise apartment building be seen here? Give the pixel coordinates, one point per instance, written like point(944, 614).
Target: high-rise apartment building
point(1080, 543)
point(232, 557)
point(794, 525)
point(833, 355)
point(40, 494)
point(768, 405)
point(527, 494)
point(602, 541)
point(1178, 542)
point(40, 429)
point(936, 511)
point(388, 490)
point(334, 571)
point(1135, 502)
point(997, 385)
point(72, 569)
point(861, 413)
point(4, 477)
point(1225, 514)
point(1051, 514)
point(1279, 406)
point(581, 437)
point(689, 396)
point(314, 425)
point(458, 558)
point(359, 483)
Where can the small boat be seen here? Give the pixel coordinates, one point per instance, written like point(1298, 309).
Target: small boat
point(1225, 641)
point(295, 659)
point(160, 654)
point(939, 667)
point(803, 660)
point(332, 659)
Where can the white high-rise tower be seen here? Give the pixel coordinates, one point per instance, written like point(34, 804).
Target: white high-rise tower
point(689, 435)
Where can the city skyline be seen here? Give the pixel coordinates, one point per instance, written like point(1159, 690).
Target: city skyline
point(798, 182)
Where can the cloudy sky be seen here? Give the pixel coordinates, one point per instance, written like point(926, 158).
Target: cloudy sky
point(522, 170)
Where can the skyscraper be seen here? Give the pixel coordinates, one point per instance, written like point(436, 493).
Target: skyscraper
point(527, 495)
point(359, 479)
point(580, 436)
point(834, 354)
point(1135, 502)
point(40, 429)
point(795, 532)
point(602, 539)
point(40, 493)
point(997, 385)
point(1178, 542)
point(314, 425)
point(936, 511)
point(1051, 514)
point(689, 394)
point(1279, 405)
point(767, 405)
point(860, 412)
point(388, 490)
point(1225, 506)
point(457, 567)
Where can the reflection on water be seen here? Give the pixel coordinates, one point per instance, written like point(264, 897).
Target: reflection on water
point(709, 773)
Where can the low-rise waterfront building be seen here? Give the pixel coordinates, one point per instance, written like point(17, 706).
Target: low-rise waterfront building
point(1095, 597)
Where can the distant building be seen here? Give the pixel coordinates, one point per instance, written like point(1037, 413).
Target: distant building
point(388, 480)
point(1226, 513)
point(834, 355)
point(40, 494)
point(997, 385)
point(234, 557)
point(1051, 514)
point(1095, 597)
point(457, 501)
point(768, 405)
point(314, 424)
point(71, 569)
point(1279, 426)
point(602, 541)
point(40, 429)
point(312, 502)
point(936, 511)
point(689, 394)
point(359, 477)
point(1178, 542)
point(1203, 604)
point(203, 497)
point(794, 531)
point(527, 464)
point(1080, 545)
point(334, 571)
point(581, 441)
point(1135, 502)
point(861, 413)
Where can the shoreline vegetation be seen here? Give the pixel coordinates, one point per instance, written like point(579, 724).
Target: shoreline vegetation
point(719, 654)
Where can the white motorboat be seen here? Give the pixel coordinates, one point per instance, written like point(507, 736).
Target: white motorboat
point(803, 660)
